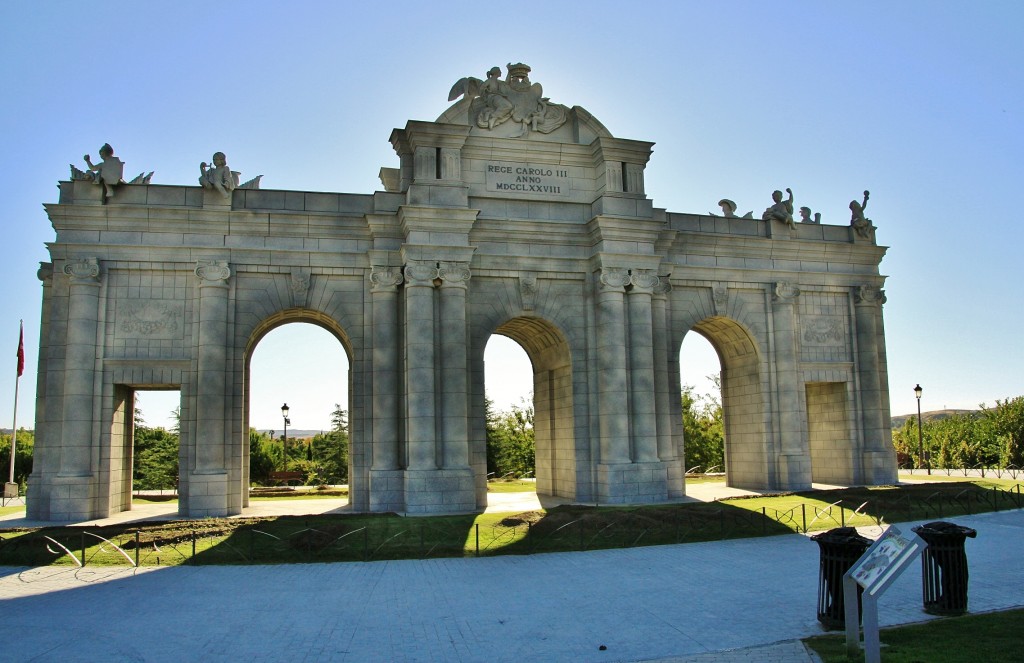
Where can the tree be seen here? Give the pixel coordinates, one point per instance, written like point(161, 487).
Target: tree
point(326, 455)
point(23, 451)
point(511, 443)
point(703, 431)
point(155, 465)
point(265, 455)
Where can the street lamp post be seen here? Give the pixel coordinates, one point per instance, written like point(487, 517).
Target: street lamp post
point(284, 415)
point(920, 436)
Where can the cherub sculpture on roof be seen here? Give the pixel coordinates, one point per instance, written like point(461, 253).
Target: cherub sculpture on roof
point(495, 101)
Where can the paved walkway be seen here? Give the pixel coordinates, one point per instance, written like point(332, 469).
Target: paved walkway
point(729, 601)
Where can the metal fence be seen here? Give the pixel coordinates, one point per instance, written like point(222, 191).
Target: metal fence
point(339, 539)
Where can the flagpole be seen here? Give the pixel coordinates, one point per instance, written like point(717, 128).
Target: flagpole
point(14, 428)
point(14, 423)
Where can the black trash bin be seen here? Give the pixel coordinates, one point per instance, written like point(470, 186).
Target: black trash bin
point(944, 567)
point(840, 549)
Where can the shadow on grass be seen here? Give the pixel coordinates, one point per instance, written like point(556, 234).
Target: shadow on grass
point(367, 537)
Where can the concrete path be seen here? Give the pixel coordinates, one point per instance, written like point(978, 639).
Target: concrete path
point(741, 600)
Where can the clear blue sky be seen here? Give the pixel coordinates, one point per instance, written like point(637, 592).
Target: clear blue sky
point(919, 102)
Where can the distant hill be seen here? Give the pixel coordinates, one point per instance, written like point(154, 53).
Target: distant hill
point(934, 415)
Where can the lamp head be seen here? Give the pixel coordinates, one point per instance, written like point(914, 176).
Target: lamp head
point(284, 410)
point(917, 391)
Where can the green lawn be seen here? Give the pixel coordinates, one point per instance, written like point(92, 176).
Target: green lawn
point(354, 537)
point(989, 638)
point(514, 486)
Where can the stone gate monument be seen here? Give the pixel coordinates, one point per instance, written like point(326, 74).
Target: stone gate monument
point(510, 214)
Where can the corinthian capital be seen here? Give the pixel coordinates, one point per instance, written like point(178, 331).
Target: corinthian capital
point(83, 270)
point(212, 272)
point(869, 295)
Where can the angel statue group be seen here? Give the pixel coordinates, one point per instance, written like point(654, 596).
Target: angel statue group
point(496, 101)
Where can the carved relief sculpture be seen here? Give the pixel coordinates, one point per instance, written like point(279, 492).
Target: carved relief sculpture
point(720, 298)
point(528, 290)
point(496, 101)
point(823, 330)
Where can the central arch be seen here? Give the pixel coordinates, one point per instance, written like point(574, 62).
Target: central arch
point(280, 319)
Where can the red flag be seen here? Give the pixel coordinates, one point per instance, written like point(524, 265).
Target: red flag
point(21, 350)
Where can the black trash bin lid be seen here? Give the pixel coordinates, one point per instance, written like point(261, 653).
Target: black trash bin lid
point(842, 536)
point(941, 527)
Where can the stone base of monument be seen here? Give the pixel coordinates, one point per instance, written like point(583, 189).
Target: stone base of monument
point(632, 483)
point(440, 491)
point(879, 468)
point(67, 498)
point(794, 471)
point(387, 490)
point(207, 495)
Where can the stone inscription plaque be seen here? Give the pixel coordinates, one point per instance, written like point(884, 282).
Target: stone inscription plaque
point(151, 320)
point(526, 178)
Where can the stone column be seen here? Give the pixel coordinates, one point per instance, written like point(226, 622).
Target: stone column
point(611, 366)
point(643, 421)
point(211, 376)
point(879, 461)
point(794, 455)
point(663, 387)
point(384, 293)
point(80, 368)
point(454, 365)
point(419, 366)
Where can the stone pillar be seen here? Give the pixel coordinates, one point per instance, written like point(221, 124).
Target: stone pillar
point(419, 366)
point(387, 484)
point(794, 457)
point(663, 389)
point(384, 293)
point(76, 454)
point(207, 495)
point(643, 421)
point(611, 367)
point(879, 460)
point(454, 365)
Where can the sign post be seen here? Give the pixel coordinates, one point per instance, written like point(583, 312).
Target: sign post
point(875, 571)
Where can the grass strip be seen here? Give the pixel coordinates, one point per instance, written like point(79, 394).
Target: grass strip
point(365, 537)
point(992, 637)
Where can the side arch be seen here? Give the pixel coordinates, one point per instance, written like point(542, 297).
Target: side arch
point(551, 361)
point(744, 402)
